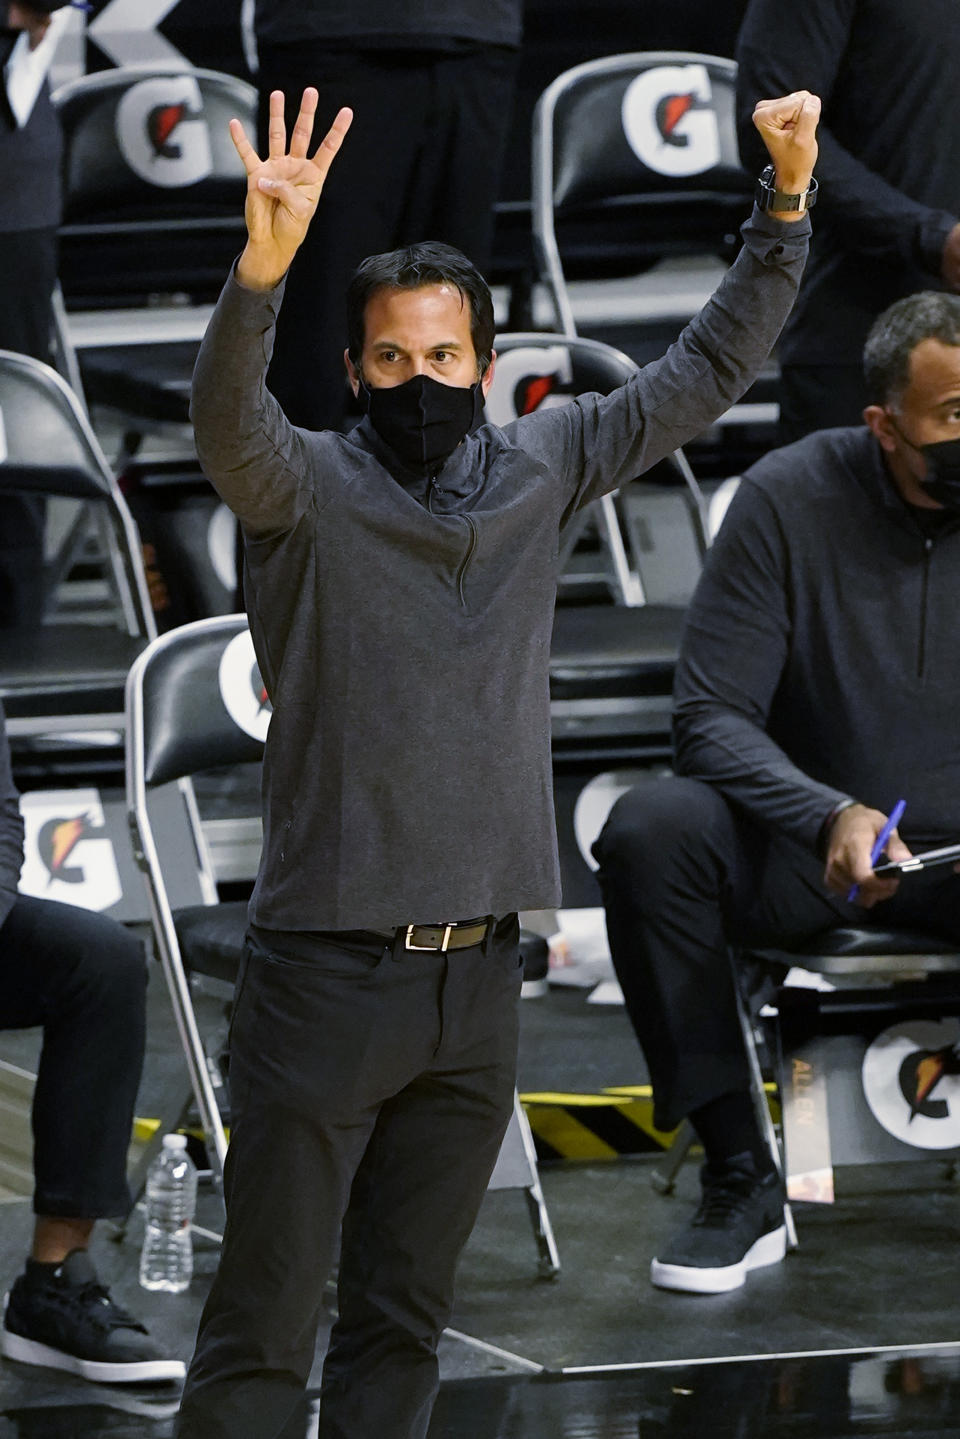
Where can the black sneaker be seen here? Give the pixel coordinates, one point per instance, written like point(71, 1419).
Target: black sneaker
point(739, 1226)
point(64, 1318)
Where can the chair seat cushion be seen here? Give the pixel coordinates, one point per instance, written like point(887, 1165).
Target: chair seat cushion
point(65, 669)
point(614, 650)
point(855, 941)
point(211, 938)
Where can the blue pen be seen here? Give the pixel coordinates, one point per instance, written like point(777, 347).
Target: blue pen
point(880, 844)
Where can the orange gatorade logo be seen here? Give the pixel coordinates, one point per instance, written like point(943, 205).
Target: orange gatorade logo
point(57, 840)
point(669, 120)
point(68, 854)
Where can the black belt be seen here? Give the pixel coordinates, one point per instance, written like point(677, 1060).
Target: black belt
point(460, 935)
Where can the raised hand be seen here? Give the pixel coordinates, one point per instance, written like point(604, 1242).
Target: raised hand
point(283, 190)
point(788, 128)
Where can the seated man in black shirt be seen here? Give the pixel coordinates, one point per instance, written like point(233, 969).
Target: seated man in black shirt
point(80, 976)
point(818, 683)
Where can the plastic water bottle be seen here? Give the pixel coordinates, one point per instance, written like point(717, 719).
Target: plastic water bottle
point(166, 1260)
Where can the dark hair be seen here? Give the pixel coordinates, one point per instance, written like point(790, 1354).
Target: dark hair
point(411, 268)
point(894, 335)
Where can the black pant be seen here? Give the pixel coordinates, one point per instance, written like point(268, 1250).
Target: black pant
point(682, 879)
point(373, 1086)
point(28, 274)
point(421, 162)
point(82, 977)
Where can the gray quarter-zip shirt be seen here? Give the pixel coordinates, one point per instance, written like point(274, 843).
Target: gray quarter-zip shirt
point(403, 626)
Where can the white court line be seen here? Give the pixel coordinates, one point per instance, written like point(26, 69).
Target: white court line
point(516, 1359)
point(866, 1352)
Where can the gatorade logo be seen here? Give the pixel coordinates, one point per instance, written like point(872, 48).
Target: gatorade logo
point(242, 689)
point(531, 377)
point(669, 120)
point(162, 132)
point(68, 854)
point(911, 1081)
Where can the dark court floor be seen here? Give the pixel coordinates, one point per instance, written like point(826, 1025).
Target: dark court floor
point(857, 1333)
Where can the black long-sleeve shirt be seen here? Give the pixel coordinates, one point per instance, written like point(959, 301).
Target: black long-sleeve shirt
point(403, 626)
point(888, 73)
point(422, 24)
point(820, 657)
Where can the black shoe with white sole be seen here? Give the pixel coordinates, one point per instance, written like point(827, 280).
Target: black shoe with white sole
point(64, 1318)
point(739, 1226)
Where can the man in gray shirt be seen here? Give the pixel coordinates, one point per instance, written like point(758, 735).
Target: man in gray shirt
point(400, 583)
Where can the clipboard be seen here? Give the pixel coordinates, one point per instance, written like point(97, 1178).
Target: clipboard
point(929, 859)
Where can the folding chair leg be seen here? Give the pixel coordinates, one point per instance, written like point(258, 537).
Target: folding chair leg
point(664, 1177)
point(547, 1252)
point(763, 1111)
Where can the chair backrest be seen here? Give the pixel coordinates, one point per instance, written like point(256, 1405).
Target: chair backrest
point(536, 370)
point(153, 187)
point(634, 157)
point(47, 448)
point(195, 700)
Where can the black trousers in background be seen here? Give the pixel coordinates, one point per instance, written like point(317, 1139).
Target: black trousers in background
point(373, 1086)
point(819, 397)
point(422, 161)
point(28, 274)
point(82, 977)
point(682, 880)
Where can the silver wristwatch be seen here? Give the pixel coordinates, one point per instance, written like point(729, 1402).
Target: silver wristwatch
point(770, 198)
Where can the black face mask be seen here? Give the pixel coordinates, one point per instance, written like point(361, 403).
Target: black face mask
point(422, 420)
point(942, 480)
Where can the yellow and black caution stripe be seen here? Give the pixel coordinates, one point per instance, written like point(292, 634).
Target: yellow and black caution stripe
point(602, 1125)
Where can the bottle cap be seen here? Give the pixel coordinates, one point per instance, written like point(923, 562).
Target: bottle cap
point(174, 1141)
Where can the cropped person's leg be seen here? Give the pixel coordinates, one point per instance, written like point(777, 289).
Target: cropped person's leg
point(456, 184)
point(415, 1201)
point(671, 857)
point(82, 977)
point(681, 879)
point(360, 214)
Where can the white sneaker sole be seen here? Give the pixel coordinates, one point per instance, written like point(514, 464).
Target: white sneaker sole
point(29, 1351)
point(688, 1279)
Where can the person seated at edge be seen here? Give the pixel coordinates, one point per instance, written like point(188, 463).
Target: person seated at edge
point(818, 683)
point(400, 582)
point(80, 976)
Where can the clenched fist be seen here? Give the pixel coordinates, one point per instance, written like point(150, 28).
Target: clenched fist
point(788, 128)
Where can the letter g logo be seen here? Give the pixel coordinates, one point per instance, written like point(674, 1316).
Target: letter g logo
point(162, 132)
point(669, 122)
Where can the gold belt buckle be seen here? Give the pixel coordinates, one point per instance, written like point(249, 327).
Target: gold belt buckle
point(429, 948)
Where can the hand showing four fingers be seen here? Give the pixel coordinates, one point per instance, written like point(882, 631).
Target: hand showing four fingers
point(283, 189)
